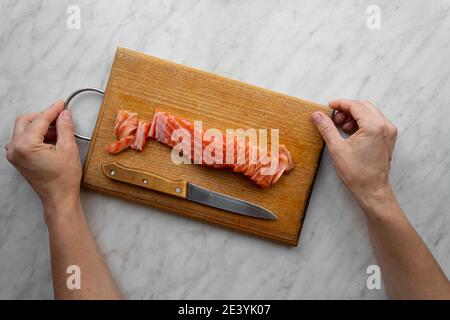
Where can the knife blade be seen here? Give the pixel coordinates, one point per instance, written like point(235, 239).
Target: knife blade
point(221, 201)
point(185, 190)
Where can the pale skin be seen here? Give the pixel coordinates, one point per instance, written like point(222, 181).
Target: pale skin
point(362, 161)
point(54, 172)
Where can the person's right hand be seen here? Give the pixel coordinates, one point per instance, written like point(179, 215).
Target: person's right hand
point(363, 160)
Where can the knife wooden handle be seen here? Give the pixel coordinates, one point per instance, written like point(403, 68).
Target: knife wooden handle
point(116, 171)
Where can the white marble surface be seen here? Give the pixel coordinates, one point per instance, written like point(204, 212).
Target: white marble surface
point(317, 50)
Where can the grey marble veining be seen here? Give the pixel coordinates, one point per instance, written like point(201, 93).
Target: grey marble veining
point(318, 50)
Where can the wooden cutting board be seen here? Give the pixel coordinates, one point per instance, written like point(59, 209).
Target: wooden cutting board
point(141, 83)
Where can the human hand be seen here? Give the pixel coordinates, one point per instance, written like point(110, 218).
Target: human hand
point(363, 160)
point(53, 170)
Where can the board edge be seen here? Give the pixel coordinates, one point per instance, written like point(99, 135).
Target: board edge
point(291, 242)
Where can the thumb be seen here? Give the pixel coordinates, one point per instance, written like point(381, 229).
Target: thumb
point(64, 130)
point(327, 129)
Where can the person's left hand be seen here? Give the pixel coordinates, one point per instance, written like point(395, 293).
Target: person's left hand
point(53, 170)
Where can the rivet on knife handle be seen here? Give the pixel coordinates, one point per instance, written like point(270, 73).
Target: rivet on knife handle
point(116, 171)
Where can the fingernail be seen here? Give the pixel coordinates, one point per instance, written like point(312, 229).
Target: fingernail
point(317, 117)
point(67, 115)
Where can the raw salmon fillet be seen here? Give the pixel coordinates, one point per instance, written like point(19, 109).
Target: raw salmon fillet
point(133, 132)
point(164, 123)
point(141, 135)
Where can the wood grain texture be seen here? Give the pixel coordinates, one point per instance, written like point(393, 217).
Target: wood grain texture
point(142, 83)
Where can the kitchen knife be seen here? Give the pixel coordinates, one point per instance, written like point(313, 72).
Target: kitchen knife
point(185, 190)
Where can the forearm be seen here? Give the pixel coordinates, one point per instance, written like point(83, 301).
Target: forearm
point(71, 243)
point(408, 267)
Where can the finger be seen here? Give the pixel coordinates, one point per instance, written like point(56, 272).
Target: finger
point(22, 123)
point(355, 108)
point(39, 126)
point(350, 126)
point(372, 107)
point(64, 130)
point(340, 118)
point(327, 129)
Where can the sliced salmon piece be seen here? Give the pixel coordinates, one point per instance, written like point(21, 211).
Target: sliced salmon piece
point(141, 135)
point(127, 127)
point(120, 145)
point(122, 115)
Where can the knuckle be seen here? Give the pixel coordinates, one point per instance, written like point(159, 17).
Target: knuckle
point(18, 119)
point(10, 155)
point(376, 128)
point(385, 130)
point(20, 150)
point(393, 130)
point(325, 127)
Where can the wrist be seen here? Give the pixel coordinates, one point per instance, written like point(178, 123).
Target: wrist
point(376, 202)
point(63, 211)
